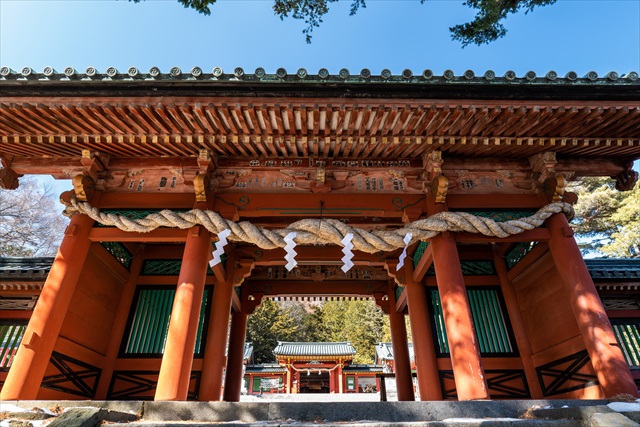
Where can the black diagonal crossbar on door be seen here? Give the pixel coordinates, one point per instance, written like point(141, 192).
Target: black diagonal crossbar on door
point(561, 378)
point(70, 374)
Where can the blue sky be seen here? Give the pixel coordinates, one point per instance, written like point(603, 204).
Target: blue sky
point(599, 35)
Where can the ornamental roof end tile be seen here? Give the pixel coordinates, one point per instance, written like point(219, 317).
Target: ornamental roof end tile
point(217, 74)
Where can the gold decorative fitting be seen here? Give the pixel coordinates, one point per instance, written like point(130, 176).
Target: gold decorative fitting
point(440, 186)
point(201, 186)
point(83, 186)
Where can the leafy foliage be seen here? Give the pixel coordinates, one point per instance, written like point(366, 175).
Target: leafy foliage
point(361, 323)
point(30, 221)
point(485, 28)
point(607, 220)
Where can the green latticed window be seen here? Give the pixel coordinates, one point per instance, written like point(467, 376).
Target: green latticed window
point(164, 267)
point(492, 329)
point(518, 252)
point(119, 252)
point(149, 323)
point(417, 255)
point(628, 334)
point(11, 334)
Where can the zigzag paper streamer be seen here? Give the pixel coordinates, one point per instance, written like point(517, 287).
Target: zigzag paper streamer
point(291, 253)
point(220, 244)
point(403, 255)
point(346, 250)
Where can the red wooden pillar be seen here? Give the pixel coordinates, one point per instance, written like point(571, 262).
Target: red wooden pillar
point(401, 359)
point(235, 356)
point(175, 370)
point(611, 369)
point(517, 324)
point(120, 322)
point(216, 345)
point(463, 344)
point(31, 361)
point(424, 352)
point(340, 378)
point(289, 378)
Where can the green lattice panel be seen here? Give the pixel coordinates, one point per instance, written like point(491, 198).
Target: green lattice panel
point(502, 216)
point(399, 291)
point(417, 255)
point(133, 213)
point(489, 322)
point(147, 332)
point(518, 252)
point(477, 268)
point(165, 267)
point(627, 332)
point(119, 252)
point(10, 338)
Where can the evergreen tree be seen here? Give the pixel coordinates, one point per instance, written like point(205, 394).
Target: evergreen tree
point(607, 220)
point(485, 27)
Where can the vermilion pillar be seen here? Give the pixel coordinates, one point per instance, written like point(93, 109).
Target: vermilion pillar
point(340, 378)
point(401, 359)
point(517, 324)
point(30, 363)
point(463, 344)
point(214, 352)
point(423, 350)
point(611, 369)
point(175, 370)
point(235, 356)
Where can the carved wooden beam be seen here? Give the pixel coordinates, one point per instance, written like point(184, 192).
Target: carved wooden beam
point(627, 179)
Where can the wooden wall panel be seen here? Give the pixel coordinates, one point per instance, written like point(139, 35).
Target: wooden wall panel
point(92, 311)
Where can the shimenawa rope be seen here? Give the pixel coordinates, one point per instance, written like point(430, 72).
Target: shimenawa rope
point(324, 231)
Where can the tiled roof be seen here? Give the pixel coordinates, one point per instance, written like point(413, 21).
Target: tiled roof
point(217, 74)
point(614, 269)
point(265, 369)
point(314, 349)
point(248, 351)
point(25, 268)
point(384, 351)
point(352, 369)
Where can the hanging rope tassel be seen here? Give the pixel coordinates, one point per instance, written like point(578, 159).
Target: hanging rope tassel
point(324, 231)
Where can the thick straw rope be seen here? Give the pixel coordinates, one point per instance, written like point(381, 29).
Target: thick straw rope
point(324, 231)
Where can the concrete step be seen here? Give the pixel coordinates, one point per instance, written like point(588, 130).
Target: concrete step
point(513, 413)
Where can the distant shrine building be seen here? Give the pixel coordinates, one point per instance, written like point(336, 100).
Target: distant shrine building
point(198, 195)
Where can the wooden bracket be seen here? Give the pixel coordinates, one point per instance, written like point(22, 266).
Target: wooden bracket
point(543, 166)
point(8, 178)
point(626, 180)
point(83, 186)
point(207, 162)
point(432, 163)
point(93, 164)
point(554, 188)
point(240, 270)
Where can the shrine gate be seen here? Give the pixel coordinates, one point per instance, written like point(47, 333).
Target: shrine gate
point(451, 190)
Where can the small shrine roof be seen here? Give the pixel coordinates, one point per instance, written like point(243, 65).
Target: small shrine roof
point(307, 349)
point(265, 369)
point(362, 369)
point(384, 351)
point(25, 268)
point(614, 269)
